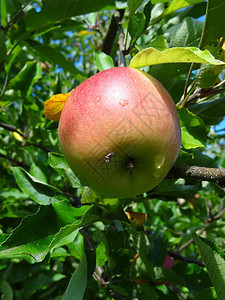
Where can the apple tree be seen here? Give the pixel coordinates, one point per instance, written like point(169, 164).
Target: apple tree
point(60, 239)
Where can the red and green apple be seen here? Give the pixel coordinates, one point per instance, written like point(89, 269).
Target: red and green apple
point(119, 132)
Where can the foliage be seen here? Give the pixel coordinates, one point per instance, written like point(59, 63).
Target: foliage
point(58, 240)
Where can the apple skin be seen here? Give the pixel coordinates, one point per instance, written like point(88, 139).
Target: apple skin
point(119, 132)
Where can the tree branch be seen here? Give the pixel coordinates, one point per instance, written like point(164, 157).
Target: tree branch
point(14, 162)
point(208, 222)
point(10, 128)
point(121, 47)
point(27, 143)
point(216, 175)
point(112, 31)
point(200, 93)
point(185, 259)
point(183, 98)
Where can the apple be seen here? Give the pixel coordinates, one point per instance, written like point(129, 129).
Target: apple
point(119, 132)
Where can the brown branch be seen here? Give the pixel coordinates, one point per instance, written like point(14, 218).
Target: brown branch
point(183, 98)
point(12, 128)
point(100, 279)
point(185, 259)
point(112, 31)
point(37, 146)
point(203, 93)
point(208, 222)
point(14, 162)
point(216, 175)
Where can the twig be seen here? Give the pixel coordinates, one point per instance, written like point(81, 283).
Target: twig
point(209, 221)
point(27, 143)
point(4, 85)
point(37, 146)
point(185, 259)
point(183, 99)
point(121, 46)
point(100, 279)
point(203, 93)
point(112, 31)
point(14, 161)
point(11, 128)
point(15, 18)
point(199, 173)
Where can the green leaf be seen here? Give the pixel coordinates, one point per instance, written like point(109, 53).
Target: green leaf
point(211, 112)
point(136, 26)
point(214, 260)
point(53, 11)
point(168, 191)
point(36, 172)
point(2, 46)
point(176, 5)
point(151, 56)
point(133, 5)
point(214, 27)
point(208, 74)
point(209, 294)
point(37, 234)
point(13, 193)
point(53, 55)
point(158, 43)
point(158, 1)
point(195, 158)
point(193, 130)
point(101, 256)
point(39, 280)
point(142, 246)
point(6, 290)
point(167, 275)
point(58, 162)
point(88, 195)
point(103, 61)
point(26, 78)
point(185, 34)
point(78, 282)
point(40, 192)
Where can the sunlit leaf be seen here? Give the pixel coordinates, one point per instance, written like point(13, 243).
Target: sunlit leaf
point(54, 106)
point(38, 233)
point(103, 61)
point(193, 130)
point(136, 217)
point(151, 56)
point(176, 5)
point(18, 136)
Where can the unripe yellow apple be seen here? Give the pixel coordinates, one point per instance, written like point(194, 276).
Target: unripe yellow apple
point(119, 132)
